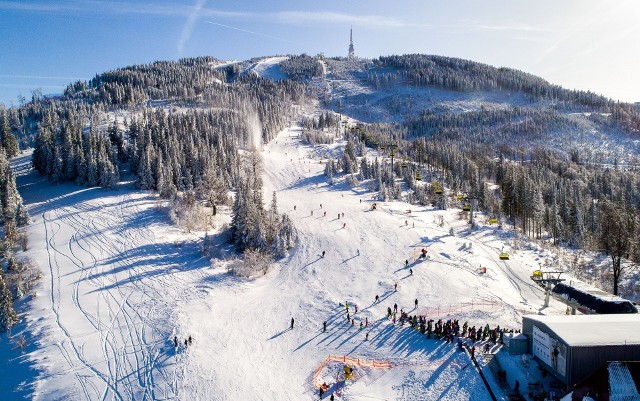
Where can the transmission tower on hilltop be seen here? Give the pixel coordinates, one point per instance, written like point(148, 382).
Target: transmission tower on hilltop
point(352, 55)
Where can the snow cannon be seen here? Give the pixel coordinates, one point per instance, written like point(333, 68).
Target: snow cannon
point(348, 372)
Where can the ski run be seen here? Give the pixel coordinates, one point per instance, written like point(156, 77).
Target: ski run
point(122, 287)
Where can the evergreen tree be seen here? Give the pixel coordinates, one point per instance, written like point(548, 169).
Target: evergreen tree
point(8, 315)
point(349, 160)
point(9, 141)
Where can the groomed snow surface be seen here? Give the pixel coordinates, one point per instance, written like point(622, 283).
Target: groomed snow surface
point(120, 282)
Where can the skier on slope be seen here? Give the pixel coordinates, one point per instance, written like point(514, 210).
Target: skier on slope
point(323, 254)
point(324, 326)
point(292, 323)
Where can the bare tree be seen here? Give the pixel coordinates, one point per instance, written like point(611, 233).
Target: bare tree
point(617, 226)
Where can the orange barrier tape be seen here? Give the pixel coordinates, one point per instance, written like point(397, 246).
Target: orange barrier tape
point(352, 361)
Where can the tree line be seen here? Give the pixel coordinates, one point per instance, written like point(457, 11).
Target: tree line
point(13, 215)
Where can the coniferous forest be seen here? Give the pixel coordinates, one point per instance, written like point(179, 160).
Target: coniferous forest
point(190, 129)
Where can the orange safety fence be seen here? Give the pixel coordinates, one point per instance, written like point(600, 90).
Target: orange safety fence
point(371, 363)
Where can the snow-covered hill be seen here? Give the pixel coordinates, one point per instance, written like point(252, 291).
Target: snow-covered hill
point(120, 283)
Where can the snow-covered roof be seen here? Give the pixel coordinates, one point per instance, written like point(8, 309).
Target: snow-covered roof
point(585, 330)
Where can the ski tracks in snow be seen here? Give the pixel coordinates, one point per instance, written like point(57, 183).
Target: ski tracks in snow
point(114, 324)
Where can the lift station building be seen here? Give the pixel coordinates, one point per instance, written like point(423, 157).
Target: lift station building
point(571, 347)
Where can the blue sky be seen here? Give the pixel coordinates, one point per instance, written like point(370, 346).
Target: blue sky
point(581, 44)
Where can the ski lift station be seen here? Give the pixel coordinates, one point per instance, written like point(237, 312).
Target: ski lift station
point(572, 347)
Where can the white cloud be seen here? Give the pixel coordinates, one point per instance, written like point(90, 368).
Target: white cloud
point(192, 13)
point(506, 28)
point(37, 77)
point(305, 17)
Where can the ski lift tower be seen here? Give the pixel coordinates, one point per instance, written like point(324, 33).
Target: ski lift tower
point(472, 202)
point(546, 280)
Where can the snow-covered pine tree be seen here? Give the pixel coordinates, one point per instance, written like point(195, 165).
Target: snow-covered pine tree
point(9, 141)
point(349, 160)
point(8, 315)
point(145, 175)
point(285, 237)
point(273, 220)
point(329, 170)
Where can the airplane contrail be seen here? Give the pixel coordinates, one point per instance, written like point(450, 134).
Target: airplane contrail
point(251, 32)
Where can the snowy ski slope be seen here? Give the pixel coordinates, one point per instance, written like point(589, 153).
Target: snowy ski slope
point(120, 282)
